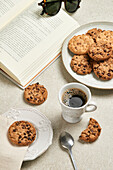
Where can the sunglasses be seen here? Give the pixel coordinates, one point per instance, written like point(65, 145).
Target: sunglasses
point(52, 7)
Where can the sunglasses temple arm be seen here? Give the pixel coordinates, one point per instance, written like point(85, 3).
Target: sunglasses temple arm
point(42, 12)
point(41, 4)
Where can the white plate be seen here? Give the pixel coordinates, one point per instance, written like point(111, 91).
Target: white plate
point(89, 79)
point(43, 128)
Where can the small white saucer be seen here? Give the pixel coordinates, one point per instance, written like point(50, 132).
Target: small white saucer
point(43, 128)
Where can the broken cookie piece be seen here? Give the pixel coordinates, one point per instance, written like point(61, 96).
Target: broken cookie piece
point(92, 132)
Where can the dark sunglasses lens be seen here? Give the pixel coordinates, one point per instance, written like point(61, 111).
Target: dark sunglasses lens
point(71, 5)
point(52, 7)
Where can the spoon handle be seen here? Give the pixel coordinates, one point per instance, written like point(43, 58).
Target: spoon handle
point(72, 159)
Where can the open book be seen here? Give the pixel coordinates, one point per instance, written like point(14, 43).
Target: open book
point(30, 42)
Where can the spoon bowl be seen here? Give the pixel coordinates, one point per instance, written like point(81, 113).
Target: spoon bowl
point(66, 140)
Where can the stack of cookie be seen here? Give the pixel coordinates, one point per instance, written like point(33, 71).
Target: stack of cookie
point(93, 51)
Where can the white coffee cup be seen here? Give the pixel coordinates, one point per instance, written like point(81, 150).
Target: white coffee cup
point(74, 114)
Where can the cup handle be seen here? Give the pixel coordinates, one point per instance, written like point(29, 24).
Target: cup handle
point(91, 107)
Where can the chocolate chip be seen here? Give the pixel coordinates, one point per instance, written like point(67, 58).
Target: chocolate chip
point(109, 74)
point(23, 127)
point(31, 97)
point(29, 139)
point(19, 141)
point(35, 98)
point(99, 130)
point(24, 133)
point(19, 136)
point(28, 99)
point(78, 43)
point(85, 65)
point(14, 130)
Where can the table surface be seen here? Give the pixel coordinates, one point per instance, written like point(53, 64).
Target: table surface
point(98, 155)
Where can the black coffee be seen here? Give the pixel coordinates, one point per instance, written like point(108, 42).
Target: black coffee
point(74, 98)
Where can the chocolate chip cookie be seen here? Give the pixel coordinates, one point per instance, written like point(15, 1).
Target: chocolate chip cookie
point(94, 33)
point(35, 94)
point(81, 64)
point(21, 133)
point(92, 132)
point(80, 44)
point(100, 51)
point(105, 36)
point(104, 69)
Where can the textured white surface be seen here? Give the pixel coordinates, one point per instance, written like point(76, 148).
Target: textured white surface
point(95, 156)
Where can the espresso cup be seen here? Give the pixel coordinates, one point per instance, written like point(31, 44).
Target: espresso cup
point(75, 114)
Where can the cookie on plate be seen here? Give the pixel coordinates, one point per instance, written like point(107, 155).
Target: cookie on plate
point(100, 51)
point(94, 32)
point(35, 94)
point(80, 44)
point(104, 69)
point(92, 132)
point(81, 64)
point(21, 133)
point(105, 36)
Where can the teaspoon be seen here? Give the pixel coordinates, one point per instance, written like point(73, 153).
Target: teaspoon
point(67, 141)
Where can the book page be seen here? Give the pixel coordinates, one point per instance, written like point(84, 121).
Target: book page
point(31, 40)
point(10, 9)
